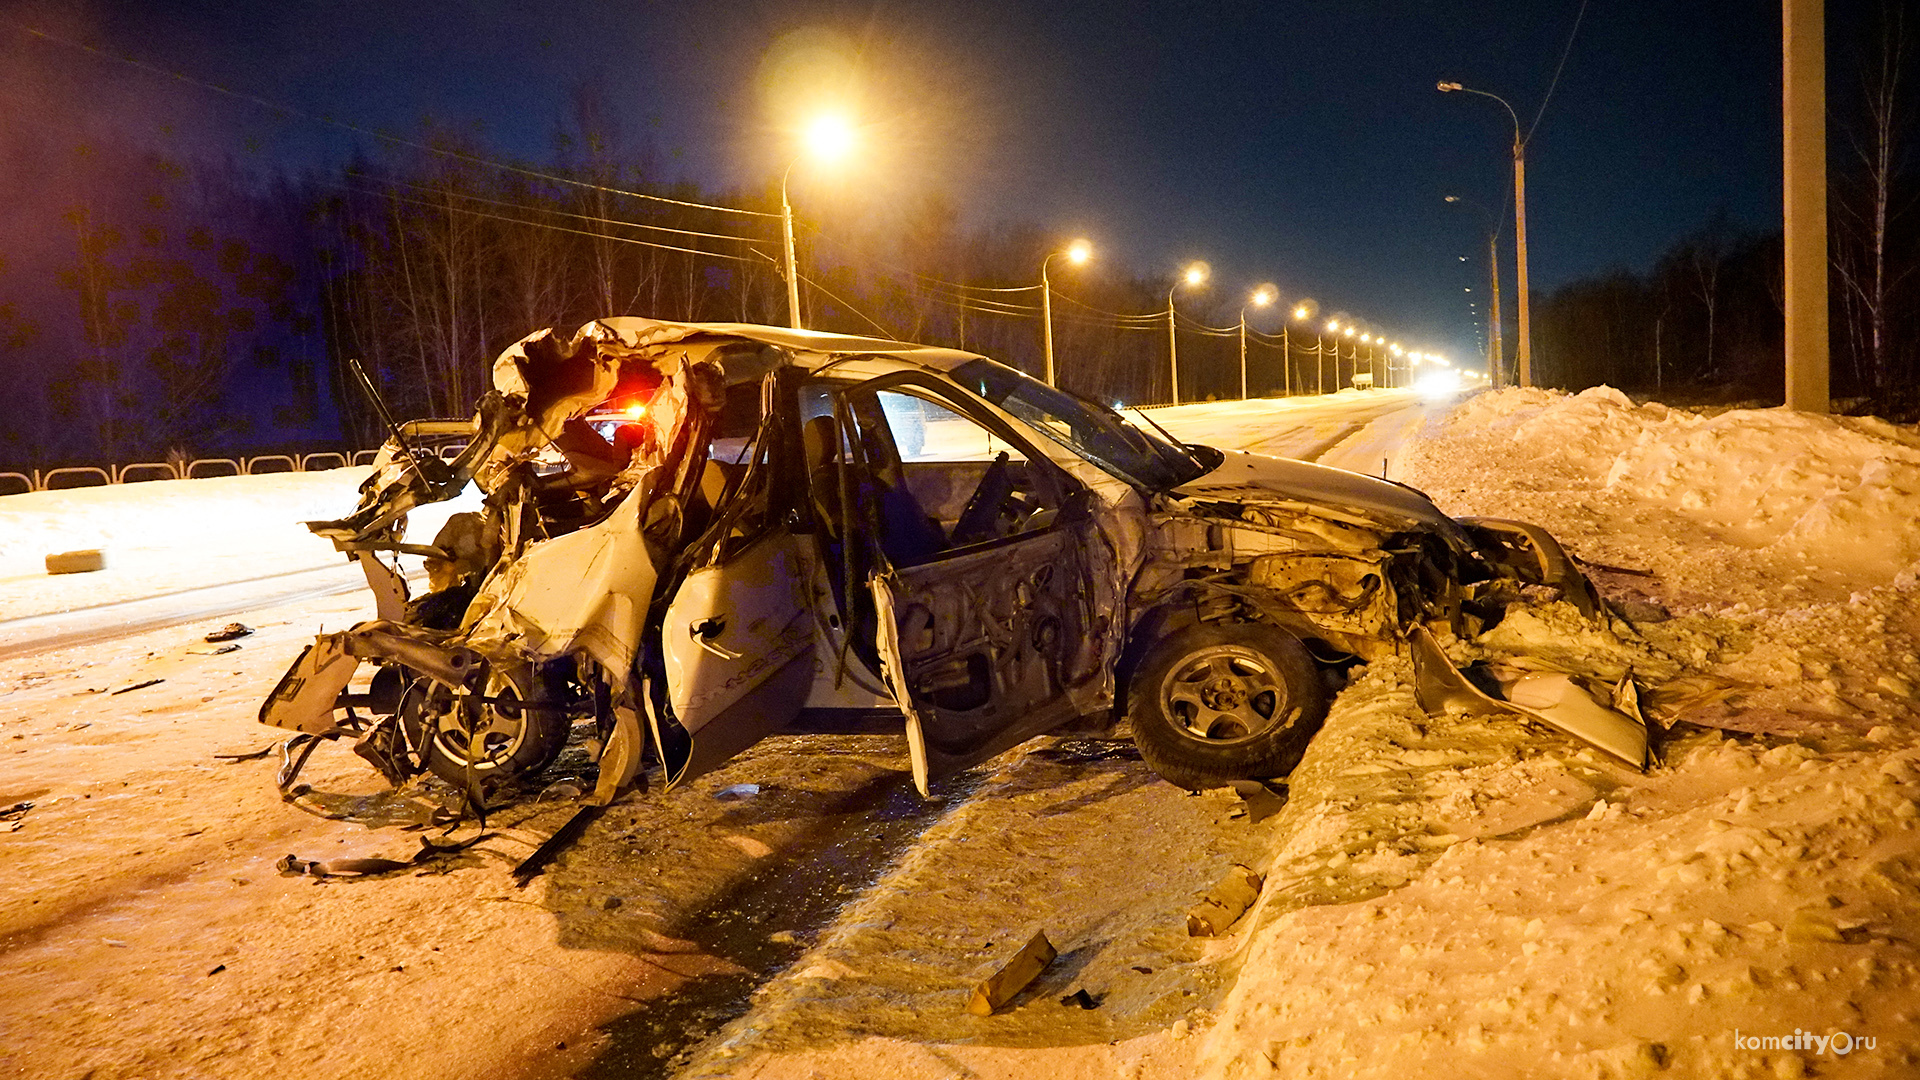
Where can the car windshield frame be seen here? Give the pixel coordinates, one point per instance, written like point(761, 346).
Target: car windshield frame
point(1088, 429)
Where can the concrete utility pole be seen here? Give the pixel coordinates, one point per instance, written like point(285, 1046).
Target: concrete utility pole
point(1523, 349)
point(1804, 64)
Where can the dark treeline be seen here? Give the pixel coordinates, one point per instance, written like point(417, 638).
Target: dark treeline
point(156, 307)
point(1706, 322)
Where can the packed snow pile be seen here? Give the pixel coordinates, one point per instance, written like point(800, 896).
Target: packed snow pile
point(1824, 502)
point(168, 535)
point(1450, 898)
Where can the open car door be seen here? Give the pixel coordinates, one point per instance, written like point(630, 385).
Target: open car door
point(988, 621)
point(736, 640)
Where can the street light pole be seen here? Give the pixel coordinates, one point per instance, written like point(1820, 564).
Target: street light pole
point(1173, 347)
point(786, 235)
point(1523, 349)
point(1195, 274)
point(828, 137)
point(1077, 252)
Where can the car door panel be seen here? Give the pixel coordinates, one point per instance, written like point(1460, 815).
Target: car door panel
point(738, 642)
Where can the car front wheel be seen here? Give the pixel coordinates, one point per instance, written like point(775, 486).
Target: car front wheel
point(1221, 702)
point(517, 732)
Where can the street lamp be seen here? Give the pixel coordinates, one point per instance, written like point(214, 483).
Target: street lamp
point(1523, 350)
point(1195, 275)
point(1494, 350)
point(1262, 296)
point(1351, 331)
point(827, 138)
point(1077, 253)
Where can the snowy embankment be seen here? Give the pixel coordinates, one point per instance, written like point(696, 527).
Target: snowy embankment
point(1456, 897)
point(165, 535)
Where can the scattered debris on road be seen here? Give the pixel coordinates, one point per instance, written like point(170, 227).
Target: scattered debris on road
point(217, 650)
point(1001, 987)
point(1263, 798)
point(230, 631)
point(15, 816)
point(85, 561)
point(563, 838)
point(1224, 903)
point(136, 686)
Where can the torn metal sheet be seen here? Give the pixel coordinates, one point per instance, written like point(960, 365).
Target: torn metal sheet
point(1553, 699)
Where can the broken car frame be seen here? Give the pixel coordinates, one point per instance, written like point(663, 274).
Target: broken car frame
point(812, 528)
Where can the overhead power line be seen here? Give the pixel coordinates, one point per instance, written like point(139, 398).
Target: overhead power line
point(288, 110)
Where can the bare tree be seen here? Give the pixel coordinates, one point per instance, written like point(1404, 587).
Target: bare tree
point(1872, 209)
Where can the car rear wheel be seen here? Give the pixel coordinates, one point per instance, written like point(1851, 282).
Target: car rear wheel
point(1216, 703)
point(517, 733)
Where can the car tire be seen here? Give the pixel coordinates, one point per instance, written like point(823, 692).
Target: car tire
point(1219, 702)
point(512, 741)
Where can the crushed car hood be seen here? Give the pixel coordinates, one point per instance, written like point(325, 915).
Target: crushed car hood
point(1245, 477)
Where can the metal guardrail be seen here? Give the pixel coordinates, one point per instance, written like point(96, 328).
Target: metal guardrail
point(47, 481)
point(21, 483)
point(231, 463)
point(252, 465)
point(164, 467)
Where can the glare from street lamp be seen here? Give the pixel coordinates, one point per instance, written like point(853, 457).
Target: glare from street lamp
point(1352, 330)
point(1333, 326)
point(1300, 313)
point(1264, 295)
point(1079, 252)
point(828, 137)
point(1196, 274)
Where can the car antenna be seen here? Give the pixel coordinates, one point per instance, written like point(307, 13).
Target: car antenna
point(380, 406)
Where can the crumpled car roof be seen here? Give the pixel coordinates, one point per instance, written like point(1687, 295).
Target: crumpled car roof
point(633, 332)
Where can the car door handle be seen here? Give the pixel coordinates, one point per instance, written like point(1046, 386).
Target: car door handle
point(704, 631)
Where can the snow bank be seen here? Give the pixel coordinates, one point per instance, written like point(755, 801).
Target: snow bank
point(1828, 499)
point(1836, 488)
point(166, 535)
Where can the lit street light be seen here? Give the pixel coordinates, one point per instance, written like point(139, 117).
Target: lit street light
point(1262, 296)
point(1195, 275)
point(1077, 253)
point(1523, 350)
point(828, 138)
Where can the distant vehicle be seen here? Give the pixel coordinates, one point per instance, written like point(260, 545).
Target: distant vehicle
point(1363, 380)
point(821, 529)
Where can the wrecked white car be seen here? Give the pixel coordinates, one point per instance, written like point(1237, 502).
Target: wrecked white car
point(809, 530)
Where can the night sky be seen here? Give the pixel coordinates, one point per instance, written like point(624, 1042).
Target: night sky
point(1299, 143)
